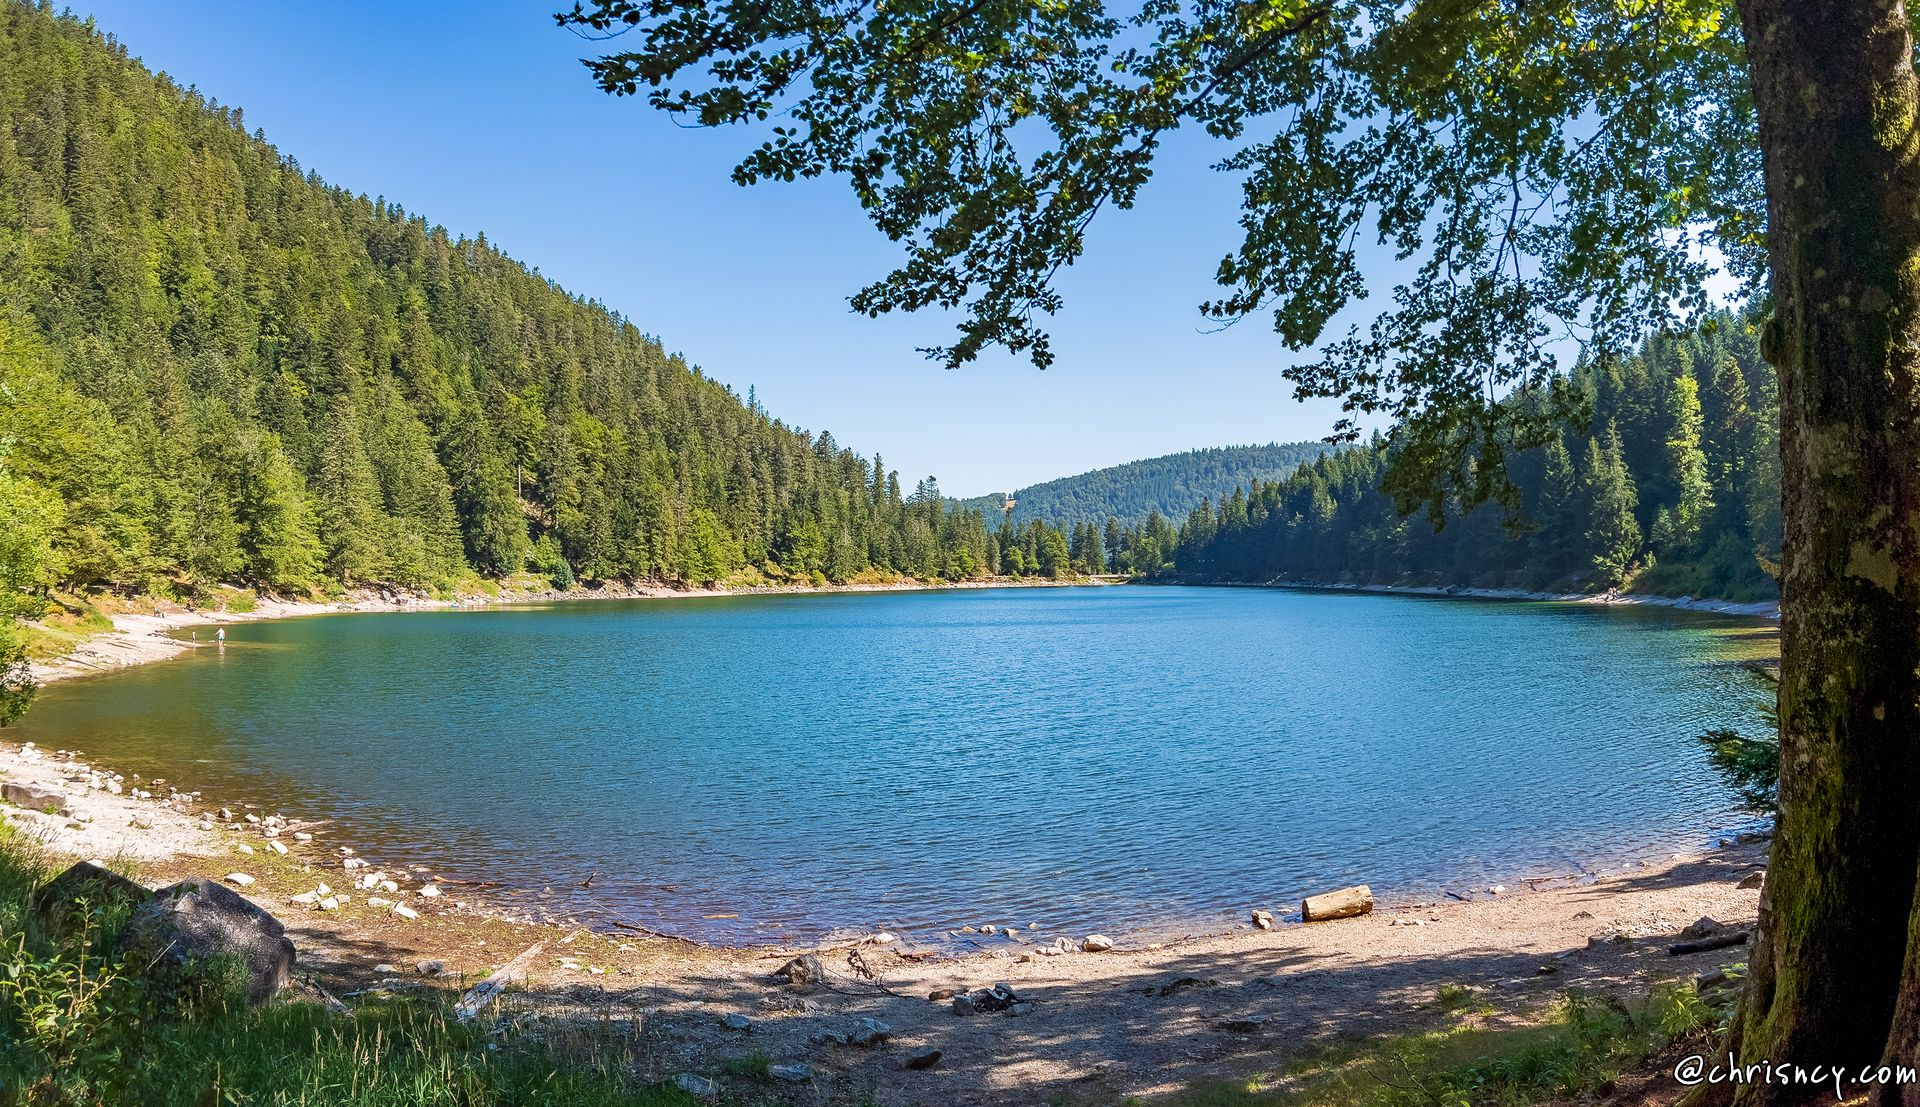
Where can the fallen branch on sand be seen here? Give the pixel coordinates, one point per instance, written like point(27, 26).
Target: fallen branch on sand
point(489, 989)
point(1718, 941)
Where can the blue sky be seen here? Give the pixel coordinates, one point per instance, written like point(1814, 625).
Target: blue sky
point(479, 117)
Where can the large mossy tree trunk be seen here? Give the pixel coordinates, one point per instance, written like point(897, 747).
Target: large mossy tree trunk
point(1835, 972)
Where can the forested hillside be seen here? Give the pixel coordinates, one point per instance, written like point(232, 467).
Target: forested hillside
point(1673, 487)
point(216, 367)
point(1169, 485)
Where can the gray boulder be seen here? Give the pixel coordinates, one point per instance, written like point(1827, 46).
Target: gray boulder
point(195, 921)
point(34, 799)
point(60, 905)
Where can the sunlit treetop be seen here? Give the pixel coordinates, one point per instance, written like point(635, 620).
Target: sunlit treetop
point(1554, 174)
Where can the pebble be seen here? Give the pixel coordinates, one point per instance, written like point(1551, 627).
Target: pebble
point(1753, 880)
point(736, 1021)
point(239, 879)
point(430, 890)
point(869, 1032)
point(697, 1085)
point(792, 1072)
point(245, 848)
point(330, 903)
point(278, 847)
point(405, 912)
point(1496, 889)
point(1096, 943)
point(1262, 920)
point(430, 968)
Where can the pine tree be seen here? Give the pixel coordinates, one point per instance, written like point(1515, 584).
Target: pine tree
point(1613, 532)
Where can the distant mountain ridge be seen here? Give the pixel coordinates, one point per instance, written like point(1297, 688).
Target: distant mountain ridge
point(1171, 485)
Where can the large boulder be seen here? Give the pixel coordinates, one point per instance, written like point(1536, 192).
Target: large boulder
point(34, 799)
point(196, 921)
point(61, 905)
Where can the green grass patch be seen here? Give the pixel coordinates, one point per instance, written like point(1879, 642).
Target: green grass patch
point(81, 1026)
point(1583, 1043)
point(64, 629)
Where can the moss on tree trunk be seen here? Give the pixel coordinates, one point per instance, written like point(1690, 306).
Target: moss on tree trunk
point(1835, 971)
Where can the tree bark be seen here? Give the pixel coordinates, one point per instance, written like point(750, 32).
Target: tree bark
point(1835, 976)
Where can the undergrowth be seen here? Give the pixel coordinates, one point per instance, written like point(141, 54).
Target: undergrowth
point(85, 1023)
point(1586, 1042)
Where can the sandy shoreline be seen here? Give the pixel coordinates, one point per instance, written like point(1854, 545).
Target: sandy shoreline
point(138, 638)
point(1762, 609)
point(1145, 1018)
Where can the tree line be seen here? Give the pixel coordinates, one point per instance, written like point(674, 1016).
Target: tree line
point(1170, 484)
point(1672, 485)
point(214, 367)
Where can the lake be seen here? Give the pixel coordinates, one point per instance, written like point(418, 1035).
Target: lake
point(1088, 758)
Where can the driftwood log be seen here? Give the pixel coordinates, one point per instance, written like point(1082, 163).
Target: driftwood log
point(1342, 904)
point(490, 989)
point(1718, 941)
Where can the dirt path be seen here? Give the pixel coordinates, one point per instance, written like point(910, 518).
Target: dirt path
point(1100, 1026)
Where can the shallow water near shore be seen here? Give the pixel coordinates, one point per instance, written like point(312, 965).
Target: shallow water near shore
point(774, 767)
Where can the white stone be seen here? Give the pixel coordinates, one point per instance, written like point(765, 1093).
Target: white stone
point(239, 879)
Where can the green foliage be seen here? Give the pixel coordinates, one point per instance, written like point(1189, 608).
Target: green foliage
point(215, 368)
point(1547, 170)
point(1170, 485)
point(81, 1025)
point(1585, 1041)
point(1585, 508)
point(1751, 766)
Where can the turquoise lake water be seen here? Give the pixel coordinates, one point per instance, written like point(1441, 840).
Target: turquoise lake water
point(1087, 758)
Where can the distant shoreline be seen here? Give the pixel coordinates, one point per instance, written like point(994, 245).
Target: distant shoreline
point(1759, 609)
point(141, 638)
